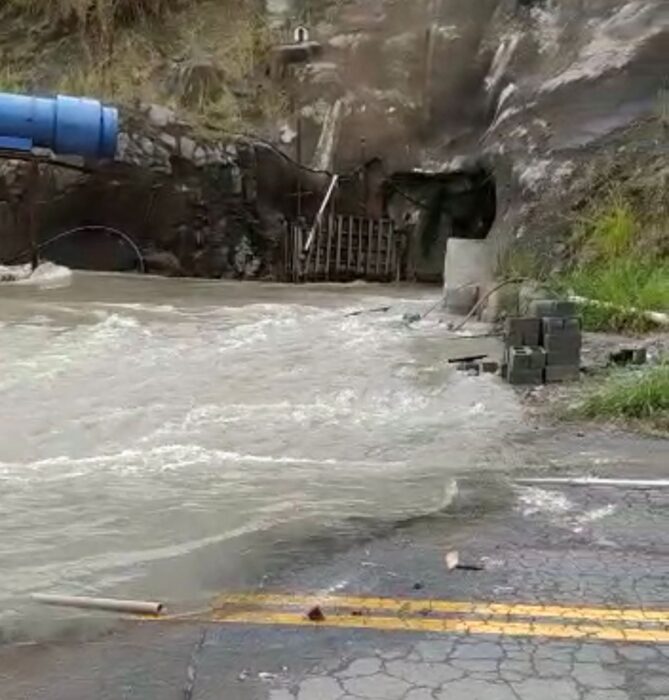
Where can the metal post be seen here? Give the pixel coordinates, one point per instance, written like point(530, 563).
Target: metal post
point(298, 148)
point(31, 202)
point(319, 216)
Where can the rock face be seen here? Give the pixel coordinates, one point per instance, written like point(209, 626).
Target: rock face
point(548, 95)
point(498, 118)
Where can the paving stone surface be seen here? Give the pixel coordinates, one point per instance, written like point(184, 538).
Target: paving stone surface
point(604, 548)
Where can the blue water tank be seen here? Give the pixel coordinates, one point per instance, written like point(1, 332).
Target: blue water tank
point(73, 126)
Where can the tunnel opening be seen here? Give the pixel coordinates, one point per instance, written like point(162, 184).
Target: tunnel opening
point(430, 208)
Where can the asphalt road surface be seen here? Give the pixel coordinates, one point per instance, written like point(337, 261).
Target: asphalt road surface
point(562, 595)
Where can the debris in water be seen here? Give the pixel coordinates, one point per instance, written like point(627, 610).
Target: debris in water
point(466, 358)
point(411, 318)
point(452, 560)
point(267, 677)
point(316, 614)
point(380, 310)
point(243, 676)
point(418, 586)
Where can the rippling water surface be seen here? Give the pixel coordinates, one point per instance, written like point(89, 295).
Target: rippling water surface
point(167, 438)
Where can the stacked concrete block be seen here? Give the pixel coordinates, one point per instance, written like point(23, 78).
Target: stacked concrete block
point(545, 347)
point(562, 341)
point(522, 332)
point(526, 365)
point(552, 308)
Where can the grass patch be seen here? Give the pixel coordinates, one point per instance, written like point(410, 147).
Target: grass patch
point(630, 395)
point(202, 58)
point(631, 284)
point(11, 79)
point(600, 319)
point(92, 16)
point(615, 265)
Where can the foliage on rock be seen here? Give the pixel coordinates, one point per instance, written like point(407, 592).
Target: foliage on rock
point(202, 58)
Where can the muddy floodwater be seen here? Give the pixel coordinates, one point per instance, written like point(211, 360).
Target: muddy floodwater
point(170, 439)
point(166, 439)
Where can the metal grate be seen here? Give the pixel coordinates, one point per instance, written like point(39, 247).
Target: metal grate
point(345, 248)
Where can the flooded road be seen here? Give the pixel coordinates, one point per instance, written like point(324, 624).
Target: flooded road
point(167, 439)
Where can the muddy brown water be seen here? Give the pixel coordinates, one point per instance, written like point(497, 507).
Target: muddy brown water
point(164, 439)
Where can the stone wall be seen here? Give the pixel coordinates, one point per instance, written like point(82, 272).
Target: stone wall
point(190, 204)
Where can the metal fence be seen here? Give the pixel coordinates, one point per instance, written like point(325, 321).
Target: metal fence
point(345, 248)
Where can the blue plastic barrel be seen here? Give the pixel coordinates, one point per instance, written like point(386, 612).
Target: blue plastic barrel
point(73, 126)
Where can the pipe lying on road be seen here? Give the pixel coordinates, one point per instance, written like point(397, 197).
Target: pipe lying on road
point(661, 319)
point(134, 607)
point(597, 481)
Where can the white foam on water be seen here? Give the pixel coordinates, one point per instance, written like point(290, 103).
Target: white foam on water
point(592, 516)
point(50, 276)
point(13, 273)
point(535, 500)
point(161, 459)
point(562, 512)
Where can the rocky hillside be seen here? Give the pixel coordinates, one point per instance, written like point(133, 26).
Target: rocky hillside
point(552, 100)
point(551, 96)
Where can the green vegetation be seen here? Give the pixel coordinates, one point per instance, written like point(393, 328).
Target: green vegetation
point(619, 249)
point(92, 15)
point(630, 395)
point(203, 58)
point(517, 263)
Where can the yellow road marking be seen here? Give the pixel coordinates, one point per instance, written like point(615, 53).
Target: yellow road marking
point(417, 606)
point(445, 625)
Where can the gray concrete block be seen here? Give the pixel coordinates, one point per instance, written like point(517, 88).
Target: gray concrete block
point(522, 331)
point(570, 356)
point(561, 373)
point(520, 358)
point(538, 360)
point(562, 338)
point(556, 326)
point(521, 377)
point(552, 308)
point(562, 342)
point(526, 358)
point(627, 356)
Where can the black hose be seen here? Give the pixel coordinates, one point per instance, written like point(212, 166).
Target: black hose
point(79, 229)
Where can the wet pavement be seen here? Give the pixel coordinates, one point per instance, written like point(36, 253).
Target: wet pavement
point(563, 594)
point(250, 453)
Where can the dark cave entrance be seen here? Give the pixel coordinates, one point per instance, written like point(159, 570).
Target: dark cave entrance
point(431, 208)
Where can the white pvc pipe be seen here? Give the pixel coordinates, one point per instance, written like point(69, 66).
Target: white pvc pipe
point(596, 481)
point(134, 607)
point(658, 317)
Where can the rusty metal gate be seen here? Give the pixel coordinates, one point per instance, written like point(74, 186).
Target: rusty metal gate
point(345, 248)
